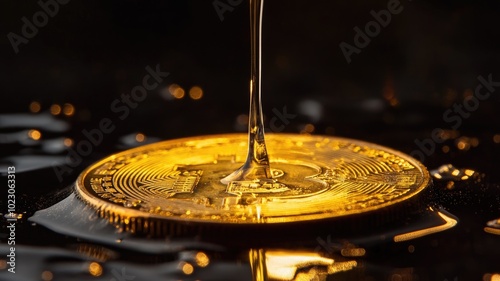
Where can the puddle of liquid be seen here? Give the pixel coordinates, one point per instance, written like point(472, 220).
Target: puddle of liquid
point(74, 218)
point(50, 263)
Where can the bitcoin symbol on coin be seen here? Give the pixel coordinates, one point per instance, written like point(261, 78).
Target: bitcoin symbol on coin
point(315, 177)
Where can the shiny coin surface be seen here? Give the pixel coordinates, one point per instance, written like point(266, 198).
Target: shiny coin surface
point(314, 177)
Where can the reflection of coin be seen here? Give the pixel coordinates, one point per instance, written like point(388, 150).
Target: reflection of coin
point(316, 177)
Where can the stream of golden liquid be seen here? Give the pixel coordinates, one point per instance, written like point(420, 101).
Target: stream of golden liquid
point(256, 166)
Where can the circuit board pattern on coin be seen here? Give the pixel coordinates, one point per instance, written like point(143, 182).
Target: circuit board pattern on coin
point(316, 177)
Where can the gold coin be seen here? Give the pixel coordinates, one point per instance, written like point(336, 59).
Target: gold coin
point(315, 177)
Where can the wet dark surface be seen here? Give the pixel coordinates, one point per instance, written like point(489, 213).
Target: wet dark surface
point(412, 88)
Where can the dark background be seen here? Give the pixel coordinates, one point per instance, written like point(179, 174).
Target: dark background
point(92, 51)
point(394, 93)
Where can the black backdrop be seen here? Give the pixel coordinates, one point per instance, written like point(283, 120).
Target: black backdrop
point(419, 67)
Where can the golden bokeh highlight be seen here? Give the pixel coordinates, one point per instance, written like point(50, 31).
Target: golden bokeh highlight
point(309, 128)
point(68, 109)
point(3, 264)
point(353, 252)
point(55, 109)
point(450, 185)
point(284, 265)
point(95, 269)
point(202, 259)
point(462, 145)
point(242, 119)
point(186, 268)
point(341, 266)
point(450, 96)
point(468, 93)
point(411, 249)
point(35, 107)
point(140, 137)
point(196, 93)
point(467, 174)
point(474, 142)
point(449, 134)
point(491, 277)
point(47, 275)
point(389, 92)
point(465, 143)
point(492, 230)
point(394, 102)
point(68, 142)
point(496, 138)
point(176, 91)
point(35, 134)
point(19, 216)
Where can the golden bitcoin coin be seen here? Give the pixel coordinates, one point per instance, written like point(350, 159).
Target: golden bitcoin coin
point(314, 177)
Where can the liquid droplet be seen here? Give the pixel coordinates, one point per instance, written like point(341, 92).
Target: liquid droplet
point(256, 167)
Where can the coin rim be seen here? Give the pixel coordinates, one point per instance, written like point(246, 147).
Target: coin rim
point(114, 209)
